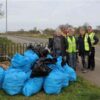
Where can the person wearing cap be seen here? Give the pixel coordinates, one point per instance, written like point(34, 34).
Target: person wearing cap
point(94, 41)
point(57, 44)
point(71, 47)
point(84, 48)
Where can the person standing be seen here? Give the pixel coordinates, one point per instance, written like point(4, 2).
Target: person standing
point(94, 41)
point(84, 47)
point(71, 47)
point(57, 44)
point(64, 30)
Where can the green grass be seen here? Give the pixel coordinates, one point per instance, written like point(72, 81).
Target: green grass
point(44, 36)
point(79, 90)
point(4, 40)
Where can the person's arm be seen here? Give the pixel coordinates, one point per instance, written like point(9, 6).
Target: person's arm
point(96, 40)
point(76, 43)
point(66, 41)
point(89, 41)
point(50, 45)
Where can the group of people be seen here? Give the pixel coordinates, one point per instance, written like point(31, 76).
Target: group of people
point(70, 46)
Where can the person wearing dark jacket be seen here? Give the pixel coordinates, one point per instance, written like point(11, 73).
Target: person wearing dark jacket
point(94, 41)
point(84, 48)
point(57, 44)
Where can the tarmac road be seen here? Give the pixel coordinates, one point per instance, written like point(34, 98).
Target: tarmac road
point(19, 39)
point(94, 76)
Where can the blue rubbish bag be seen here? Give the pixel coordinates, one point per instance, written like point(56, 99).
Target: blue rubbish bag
point(65, 83)
point(32, 58)
point(31, 55)
point(49, 56)
point(55, 81)
point(29, 74)
point(71, 72)
point(23, 62)
point(2, 72)
point(51, 66)
point(18, 60)
point(33, 86)
point(14, 81)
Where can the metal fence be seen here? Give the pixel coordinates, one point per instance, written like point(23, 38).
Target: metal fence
point(8, 50)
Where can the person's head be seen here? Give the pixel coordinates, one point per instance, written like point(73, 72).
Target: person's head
point(82, 31)
point(58, 32)
point(61, 27)
point(71, 31)
point(64, 29)
point(89, 29)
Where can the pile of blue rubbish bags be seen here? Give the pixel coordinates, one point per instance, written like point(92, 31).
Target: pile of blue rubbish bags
point(20, 79)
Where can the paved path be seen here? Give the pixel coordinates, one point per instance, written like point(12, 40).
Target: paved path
point(19, 39)
point(92, 76)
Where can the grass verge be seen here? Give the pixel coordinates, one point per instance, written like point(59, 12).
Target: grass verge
point(79, 90)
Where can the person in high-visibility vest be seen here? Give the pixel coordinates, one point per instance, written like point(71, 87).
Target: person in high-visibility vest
point(84, 47)
point(94, 41)
point(71, 47)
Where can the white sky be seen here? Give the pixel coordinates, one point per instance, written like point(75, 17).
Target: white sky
point(26, 14)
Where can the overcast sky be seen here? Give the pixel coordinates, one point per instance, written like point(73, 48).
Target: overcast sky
point(26, 14)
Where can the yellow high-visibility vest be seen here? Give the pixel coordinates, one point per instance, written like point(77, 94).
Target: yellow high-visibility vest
point(86, 44)
point(91, 35)
point(71, 45)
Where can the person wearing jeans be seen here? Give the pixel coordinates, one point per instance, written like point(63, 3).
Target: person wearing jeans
point(84, 48)
point(71, 48)
point(72, 60)
point(94, 41)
